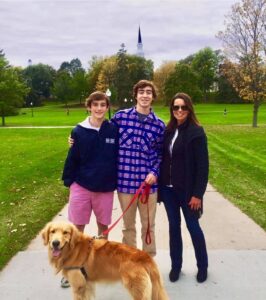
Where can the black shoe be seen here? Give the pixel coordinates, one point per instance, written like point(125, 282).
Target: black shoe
point(202, 275)
point(174, 275)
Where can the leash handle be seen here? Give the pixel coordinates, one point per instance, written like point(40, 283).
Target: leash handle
point(145, 200)
point(142, 191)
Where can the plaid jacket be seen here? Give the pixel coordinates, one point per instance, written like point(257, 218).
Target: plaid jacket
point(140, 148)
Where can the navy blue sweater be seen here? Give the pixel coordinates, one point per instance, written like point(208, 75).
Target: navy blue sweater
point(195, 163)
point(92, 160)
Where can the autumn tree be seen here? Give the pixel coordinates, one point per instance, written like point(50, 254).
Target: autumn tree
point(244, 48)
point(106, 77)
point(160, 77)
point(95, 67)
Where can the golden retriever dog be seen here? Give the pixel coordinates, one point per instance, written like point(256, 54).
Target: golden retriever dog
point(84, 261)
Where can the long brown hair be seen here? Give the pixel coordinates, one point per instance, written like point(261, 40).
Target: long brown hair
point(172, 124)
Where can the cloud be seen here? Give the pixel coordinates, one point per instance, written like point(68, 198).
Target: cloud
point(54, 31)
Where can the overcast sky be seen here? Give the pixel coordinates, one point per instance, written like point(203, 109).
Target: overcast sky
point(51, 32)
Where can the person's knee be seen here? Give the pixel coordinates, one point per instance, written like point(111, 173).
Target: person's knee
point(194, 228)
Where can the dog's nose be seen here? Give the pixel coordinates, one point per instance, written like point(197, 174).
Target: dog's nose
point(55, 243)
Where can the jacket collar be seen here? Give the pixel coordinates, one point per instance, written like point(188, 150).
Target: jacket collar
point(150, 116)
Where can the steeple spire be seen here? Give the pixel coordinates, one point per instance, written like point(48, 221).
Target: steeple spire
point(139, 39)
point(140, 45)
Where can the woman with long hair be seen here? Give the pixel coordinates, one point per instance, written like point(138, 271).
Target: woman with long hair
point(183, 181)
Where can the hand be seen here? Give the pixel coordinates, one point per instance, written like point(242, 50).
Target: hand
point(150, 179)
point(70, 141)
point(195, 203)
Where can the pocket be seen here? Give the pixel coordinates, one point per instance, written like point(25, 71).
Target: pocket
point(126, 137)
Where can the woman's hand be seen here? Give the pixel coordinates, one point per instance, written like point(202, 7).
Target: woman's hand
point(195, 203)
point(70, 141)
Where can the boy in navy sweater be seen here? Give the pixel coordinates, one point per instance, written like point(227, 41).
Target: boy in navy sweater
point(90, 169)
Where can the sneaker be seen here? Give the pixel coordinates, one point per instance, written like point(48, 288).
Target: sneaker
point(174, 275)
point(64, 283)
point(202, 275)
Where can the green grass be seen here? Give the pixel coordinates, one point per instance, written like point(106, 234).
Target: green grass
point(208, 114)
point(212, 114)
point(31, 163)
point(238, 167)
point(31, 191)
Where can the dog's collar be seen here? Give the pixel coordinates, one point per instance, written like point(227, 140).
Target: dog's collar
point(82, 269)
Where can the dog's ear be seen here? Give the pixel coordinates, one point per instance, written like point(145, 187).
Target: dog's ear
point(75, 236)
point(45, 234)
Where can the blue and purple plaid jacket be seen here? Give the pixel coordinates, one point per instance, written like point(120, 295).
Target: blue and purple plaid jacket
point(140, 148)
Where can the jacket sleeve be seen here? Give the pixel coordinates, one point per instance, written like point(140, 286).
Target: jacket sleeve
point(71, 162)
point(158, 149)
point(201, 165)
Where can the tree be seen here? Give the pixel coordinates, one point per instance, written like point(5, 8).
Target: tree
point(106, 75)
point(80, 85)
point(205, 63)
point(121, 78)
point(160, 77)
point(12, 89)
point(63, 88)
point(139, 68)
point(183, 79)
point(71, 67)
point(226, 93)
point(95, 67)
point(244, 47)
point(40, 80)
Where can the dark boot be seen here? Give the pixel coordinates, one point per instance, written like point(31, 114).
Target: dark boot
point(174, 275)
point(202, 275)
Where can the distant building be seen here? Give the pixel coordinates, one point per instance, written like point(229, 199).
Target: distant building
point(29, 62)
point(140, 51)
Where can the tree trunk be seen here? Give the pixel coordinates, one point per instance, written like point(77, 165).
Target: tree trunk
point(3, 120)
point(67, 109)
point(3, 115)
point(255, 113)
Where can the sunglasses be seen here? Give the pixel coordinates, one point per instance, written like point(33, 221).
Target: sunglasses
point(178, 107)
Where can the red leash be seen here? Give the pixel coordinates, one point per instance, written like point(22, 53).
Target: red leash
point(142, 193)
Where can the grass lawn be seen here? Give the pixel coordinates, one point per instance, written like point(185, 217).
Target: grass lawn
point(238, 167)
point(31, 191)
point(212, 114)
point(31, 162)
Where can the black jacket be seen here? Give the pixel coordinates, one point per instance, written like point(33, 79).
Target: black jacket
point(92, 160)
point(196, 162)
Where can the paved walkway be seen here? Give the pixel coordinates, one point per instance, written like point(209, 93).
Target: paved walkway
point(237, 259)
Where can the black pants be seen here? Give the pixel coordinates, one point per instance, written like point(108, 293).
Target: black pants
point(173, 201)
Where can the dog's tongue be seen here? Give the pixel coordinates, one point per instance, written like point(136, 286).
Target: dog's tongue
point(56, 252)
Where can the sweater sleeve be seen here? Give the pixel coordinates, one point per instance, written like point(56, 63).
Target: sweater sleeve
point(158, 149)
point(71, 162)
point(201, 160)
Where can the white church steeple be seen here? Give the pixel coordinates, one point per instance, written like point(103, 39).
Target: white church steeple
point(140, 51)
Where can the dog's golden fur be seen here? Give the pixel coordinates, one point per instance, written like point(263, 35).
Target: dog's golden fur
point(70, 250)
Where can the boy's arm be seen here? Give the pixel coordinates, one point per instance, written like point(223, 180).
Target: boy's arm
point(156, 158)
point(71, 162)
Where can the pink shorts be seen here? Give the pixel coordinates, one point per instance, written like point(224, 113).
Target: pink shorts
point(82, 202)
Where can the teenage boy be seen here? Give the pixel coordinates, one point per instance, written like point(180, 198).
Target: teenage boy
point(90, 169)
point(139, 156)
